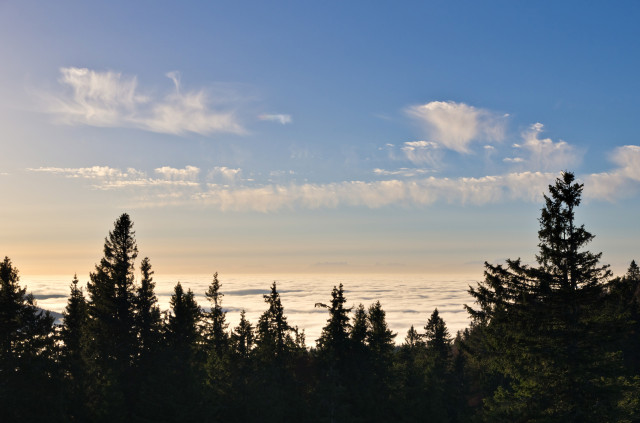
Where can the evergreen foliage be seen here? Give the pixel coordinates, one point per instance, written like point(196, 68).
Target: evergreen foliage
point(75, 316)
point(147, 312)
point(111, 344)
point(274, 337)
point(27, 352)
point(216, 329)
point(334, 340)
point(543, 328)
point(243, 337)
point(183, 326)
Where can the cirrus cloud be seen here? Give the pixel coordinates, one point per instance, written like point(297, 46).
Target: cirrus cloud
point(110, 99)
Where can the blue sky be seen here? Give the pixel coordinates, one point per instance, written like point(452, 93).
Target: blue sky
point(313, 136)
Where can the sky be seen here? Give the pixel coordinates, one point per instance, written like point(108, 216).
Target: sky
point(314, 137)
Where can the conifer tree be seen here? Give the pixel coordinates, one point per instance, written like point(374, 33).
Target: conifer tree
point(147, 312)
point(437, 337)
point(413, 339)
point(379, 336)
point(274, 332)
point(183, 332)
point(71, 335)
point(216, 329)
point(334, 339)
point(111, 345)
point(27, 368)
point(359, 328)
point(242, 337)
point(75, 315)
point(178, 391)
point(543, 326)
point(111, 323)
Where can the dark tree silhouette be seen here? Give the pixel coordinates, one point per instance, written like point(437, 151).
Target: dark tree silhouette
point(243, 337)
point(216, 326)
point(334, 340)
point(27, 368)
point(183, 331)
point(75, 316)
point(437, 337)
point(111, 346)
point(274, 332)
point(147, 313)
point(71, 359)
point(543, 327)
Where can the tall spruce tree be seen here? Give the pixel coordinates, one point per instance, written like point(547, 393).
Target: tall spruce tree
point(111, 345)
point(75, 317)
point(242, 337)
point(216, 325)
point(147, 313)
point(437, 337)
point(274, 332)
point(334, 339)
point(183, 326)
point(359, 326)
point(71, 335)
point(334, 348)
point(379, 336)
point(543, 327)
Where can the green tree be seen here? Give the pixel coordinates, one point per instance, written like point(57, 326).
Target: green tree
point(71, 335)
point(183, 331)
point(75, 316)
point(111, 344)
point(544, 327)
point(440, 402)
point(360, 326)
point(274, 334)
point(175, 390)
point(437, 337)
point(242, 337)
point(413, 339)
point(334, 339)
point(216, 325)
point(28, 373)
point(147, 312)
point(379, 336)
point(334, 349)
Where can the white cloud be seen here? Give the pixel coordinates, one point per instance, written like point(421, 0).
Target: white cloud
point(226, 173)
point(620, 182)
point(181, 186)
point(403, 172)
point(423, 152)
point(106, 177)
point(189, 173)
point(282, 119)
point(456, 125)
point(628, 159)
point(94, 172)
point(527, 186)
point(513, 160)
point(109, 99)
point(545, 154)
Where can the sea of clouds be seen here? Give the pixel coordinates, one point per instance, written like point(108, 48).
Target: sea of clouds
point(407, 300)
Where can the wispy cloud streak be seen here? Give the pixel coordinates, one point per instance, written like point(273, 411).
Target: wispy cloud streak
point(110, 99)
point(188, 186)
point(282, 119)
